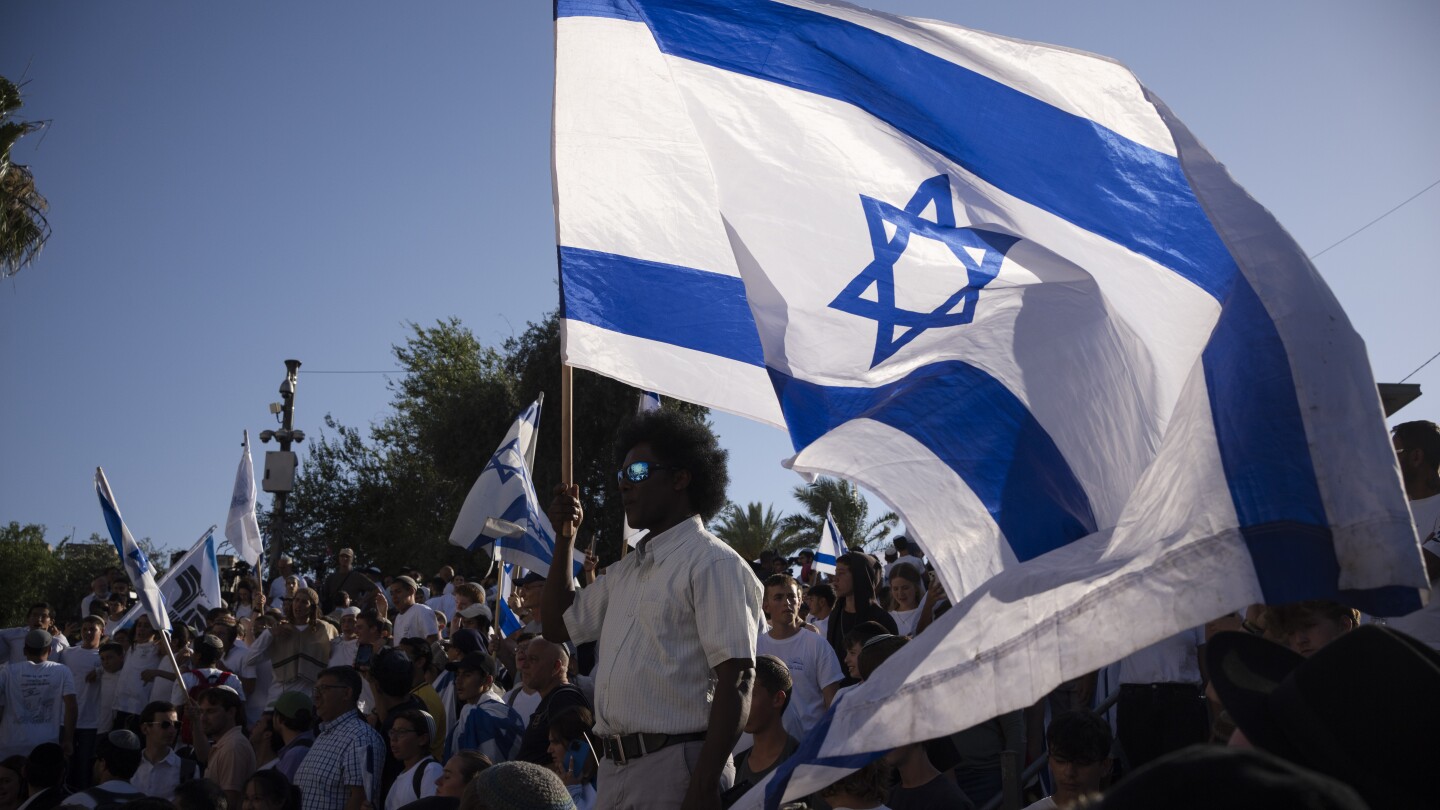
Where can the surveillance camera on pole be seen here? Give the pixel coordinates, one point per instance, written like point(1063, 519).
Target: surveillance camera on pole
point(280, 464)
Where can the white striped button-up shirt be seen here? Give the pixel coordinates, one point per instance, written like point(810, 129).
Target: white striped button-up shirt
point(665, 617)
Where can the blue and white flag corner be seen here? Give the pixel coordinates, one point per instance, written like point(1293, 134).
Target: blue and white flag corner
point(137, 565)
point(832, 545)
point(501, 513)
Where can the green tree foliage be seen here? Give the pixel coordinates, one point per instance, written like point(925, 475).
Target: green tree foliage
point(77, 564)
point(23, 227)
point(848, 507)
point(754, 529)
point(24, 553)
point(393, 495)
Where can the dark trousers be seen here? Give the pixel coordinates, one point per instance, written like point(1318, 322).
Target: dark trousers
point(1153, 719)
point(79, 777)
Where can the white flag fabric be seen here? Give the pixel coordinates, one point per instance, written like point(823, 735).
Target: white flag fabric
point(190, 588)
point(999, 284)
point(241, 527)
point(137, 565)
point(501, 514)
point(649, 401)
point(832, 545)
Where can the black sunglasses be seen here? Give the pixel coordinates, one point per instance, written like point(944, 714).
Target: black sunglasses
point(165, 724)
point(638, 471)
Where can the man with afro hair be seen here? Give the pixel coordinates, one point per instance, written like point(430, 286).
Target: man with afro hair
point(676, 621)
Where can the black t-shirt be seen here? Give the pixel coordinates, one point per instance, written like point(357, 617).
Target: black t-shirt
point(536, 739)
point(938, 792)
point(841, 623)
point(746, 777)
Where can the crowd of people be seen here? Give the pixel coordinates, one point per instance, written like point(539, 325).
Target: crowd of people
point(682, 676)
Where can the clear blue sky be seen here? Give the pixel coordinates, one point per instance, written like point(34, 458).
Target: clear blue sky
point(235, 184)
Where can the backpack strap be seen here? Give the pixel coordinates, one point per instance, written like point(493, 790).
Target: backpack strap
point(418, 777)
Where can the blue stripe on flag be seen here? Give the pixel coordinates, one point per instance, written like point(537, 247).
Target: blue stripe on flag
point(681, 306)
point(808, 753)
point(617, 9)
point(978, 428)
point(114, 524)
point(1266, 455)
point(1063, 163)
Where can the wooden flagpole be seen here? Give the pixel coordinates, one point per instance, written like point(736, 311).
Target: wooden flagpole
point(567, 410)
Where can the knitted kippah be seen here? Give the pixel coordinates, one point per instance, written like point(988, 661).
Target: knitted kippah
point(522, 786)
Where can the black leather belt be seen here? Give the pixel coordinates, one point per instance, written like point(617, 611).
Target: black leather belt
point(622, 748)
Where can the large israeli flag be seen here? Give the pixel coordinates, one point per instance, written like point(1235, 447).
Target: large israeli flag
point(501, 514)
point(137, 565)
point(191, 588)
point(832, 545)
point(1003, 287)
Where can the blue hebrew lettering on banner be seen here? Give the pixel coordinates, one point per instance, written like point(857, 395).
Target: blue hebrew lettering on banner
point(964, 243)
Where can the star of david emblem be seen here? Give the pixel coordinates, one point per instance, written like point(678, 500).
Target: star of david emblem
point(979, 253)
point(505, 471)
point(142, 563)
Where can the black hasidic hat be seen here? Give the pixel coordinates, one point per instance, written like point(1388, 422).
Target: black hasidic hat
point(1364, 709)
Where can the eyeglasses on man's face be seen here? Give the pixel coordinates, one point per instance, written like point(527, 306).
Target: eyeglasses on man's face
point(637, 471)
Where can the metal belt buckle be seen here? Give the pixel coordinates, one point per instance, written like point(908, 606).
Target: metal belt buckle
point(618, 757)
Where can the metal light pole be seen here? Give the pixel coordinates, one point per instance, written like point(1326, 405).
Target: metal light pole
point(280, 464)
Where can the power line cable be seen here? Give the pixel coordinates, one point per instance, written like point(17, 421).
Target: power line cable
point(1377, 219)
point(1422, 365)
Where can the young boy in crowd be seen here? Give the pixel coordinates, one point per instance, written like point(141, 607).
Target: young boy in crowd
point(807, 655)
point(1080, 760)
point(773, 744)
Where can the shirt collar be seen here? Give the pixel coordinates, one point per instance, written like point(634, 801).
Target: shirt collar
point(339, 721)
point(171, 759)
point(662, 545)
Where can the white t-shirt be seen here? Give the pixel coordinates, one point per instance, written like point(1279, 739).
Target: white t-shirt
point(82, 662)
point(134, 692)
point(906, 620)
point(813, 667)
point(109, 692)
point(1424, 624)
point(277, 590)
point(1171, 660)
point(13, 640)
point(342, 651)
point(33, 692)
point(235, 660)
point(442, 604)
point(524, 704)
point(402, 792)
point(417, 621)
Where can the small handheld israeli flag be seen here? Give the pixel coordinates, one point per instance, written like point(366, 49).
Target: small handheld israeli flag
point(832, 545)
point(502, 514)
point(137, 565)
point(507, 619)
